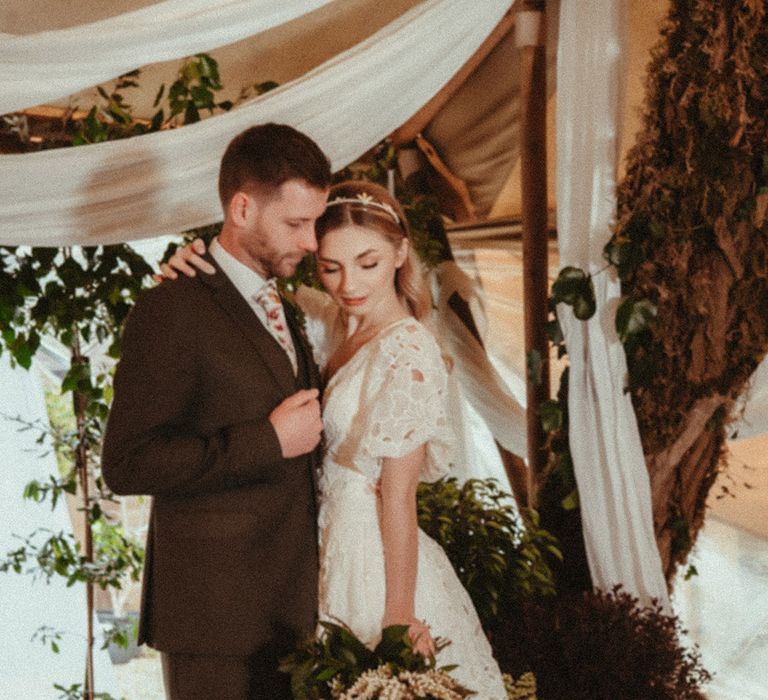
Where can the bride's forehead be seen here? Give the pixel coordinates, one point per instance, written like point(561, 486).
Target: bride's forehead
point(352, 239)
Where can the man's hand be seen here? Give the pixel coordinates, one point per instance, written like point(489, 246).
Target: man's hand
point(297, 423)
point(185, 260)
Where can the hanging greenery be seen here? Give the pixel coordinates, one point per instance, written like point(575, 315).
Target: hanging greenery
point(691, 250)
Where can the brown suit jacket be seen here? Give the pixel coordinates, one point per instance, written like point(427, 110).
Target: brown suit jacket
point(231, 563)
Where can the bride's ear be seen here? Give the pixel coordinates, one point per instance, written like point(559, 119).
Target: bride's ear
point(402, 253)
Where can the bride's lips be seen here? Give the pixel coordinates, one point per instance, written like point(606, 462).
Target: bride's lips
point(353, 301)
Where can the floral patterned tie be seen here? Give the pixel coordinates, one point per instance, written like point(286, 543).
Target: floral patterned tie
point(269, 300)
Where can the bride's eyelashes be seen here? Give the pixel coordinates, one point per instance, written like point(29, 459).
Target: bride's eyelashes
point(333, 270)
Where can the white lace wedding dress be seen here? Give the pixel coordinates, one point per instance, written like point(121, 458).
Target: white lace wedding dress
point(386, 401)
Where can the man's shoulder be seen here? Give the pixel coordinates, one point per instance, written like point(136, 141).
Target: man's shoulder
point(172, 301)
point(178, 291)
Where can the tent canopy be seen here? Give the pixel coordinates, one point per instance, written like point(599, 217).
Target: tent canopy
point(475, 132)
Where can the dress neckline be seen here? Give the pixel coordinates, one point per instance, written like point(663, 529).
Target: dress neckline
point(383, 330)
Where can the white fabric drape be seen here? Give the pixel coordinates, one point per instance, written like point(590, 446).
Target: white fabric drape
point(45, 66)
point(614, 487)
point(166, 182)
point(481, 383)
point(754, 419)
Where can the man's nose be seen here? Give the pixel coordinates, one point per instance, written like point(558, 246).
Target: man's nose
point(309, 239)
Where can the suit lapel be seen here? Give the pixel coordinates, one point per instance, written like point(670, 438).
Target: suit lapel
point(308, 377)
point(225, 294)
point(303, 351)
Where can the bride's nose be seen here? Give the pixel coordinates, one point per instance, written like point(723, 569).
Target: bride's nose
point(347, 282)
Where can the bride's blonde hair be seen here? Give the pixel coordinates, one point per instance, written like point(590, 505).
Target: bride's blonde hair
point(361, 203)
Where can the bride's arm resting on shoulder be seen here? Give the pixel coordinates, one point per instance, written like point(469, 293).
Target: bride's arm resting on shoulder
point(186, 260)
point(399, 533)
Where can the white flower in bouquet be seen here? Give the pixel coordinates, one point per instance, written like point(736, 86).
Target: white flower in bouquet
point(382, 684)
point(524, 688)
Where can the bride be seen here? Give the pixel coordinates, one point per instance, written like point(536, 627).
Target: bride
point(386, 429)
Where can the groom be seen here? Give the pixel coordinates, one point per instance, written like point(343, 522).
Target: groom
point(216, 415)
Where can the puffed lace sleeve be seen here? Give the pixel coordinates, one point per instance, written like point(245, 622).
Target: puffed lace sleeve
point(408, 400)
point(322, 322)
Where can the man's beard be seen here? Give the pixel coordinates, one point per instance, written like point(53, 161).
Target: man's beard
point(284, 266)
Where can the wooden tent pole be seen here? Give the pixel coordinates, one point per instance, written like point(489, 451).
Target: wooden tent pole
point(531, 40)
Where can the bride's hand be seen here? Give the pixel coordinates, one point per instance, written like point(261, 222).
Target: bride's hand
point(186, 260)
point(419, 634)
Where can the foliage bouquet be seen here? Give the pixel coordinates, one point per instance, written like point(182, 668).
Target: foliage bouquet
point(336, 665)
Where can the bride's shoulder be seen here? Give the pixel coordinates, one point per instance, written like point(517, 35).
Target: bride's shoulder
point(411, 340)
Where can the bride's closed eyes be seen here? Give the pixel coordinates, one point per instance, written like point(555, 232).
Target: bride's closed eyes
point(331, 267)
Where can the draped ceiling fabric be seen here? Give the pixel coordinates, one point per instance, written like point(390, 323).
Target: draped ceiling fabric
point(613, 482)
point(162, 183)
point(45, 66)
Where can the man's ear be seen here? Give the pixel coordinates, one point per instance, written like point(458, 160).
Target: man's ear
point(240, 208)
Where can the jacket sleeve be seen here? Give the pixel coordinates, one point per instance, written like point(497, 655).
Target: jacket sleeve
point(150, 446)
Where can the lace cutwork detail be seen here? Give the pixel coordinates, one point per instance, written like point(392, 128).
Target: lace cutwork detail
point(407, 405)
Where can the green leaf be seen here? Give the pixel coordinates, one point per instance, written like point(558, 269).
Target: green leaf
point(157, 121)
point(574, 287)
point(551, 414)
point(23, 353)
point(208, 66)
point(266, 86)
point(191, 71)
point(634, 316)
point(584, 306)
point(159, 96)
point(191, 114)
point(32, 491)
point(326, 675)
point(555, 332)
point(392, 642)
point(202, 97)
point(569, 284)
point(571, 501)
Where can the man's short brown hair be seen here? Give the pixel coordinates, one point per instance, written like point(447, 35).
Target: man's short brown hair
point(263, 157)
